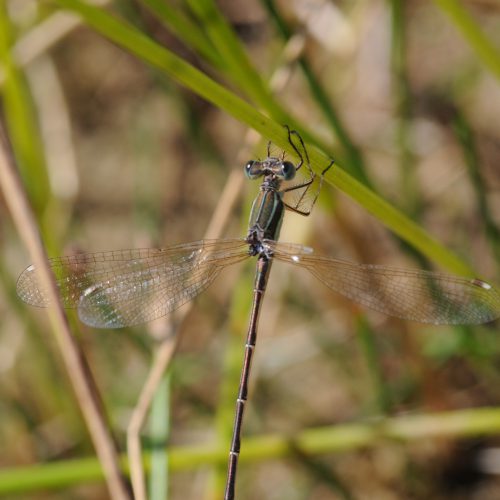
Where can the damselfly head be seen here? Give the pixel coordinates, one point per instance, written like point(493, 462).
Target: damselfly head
point(284, 170)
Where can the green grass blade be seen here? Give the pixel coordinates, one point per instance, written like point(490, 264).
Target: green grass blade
point(331, 439)
point(149, 51)
point(368, 341)
point(240, 70)
point(465, 136)
point(354, 158)
point(480, 43)
point(403, 106)
point(159, 429)
point(186, 30)
point(238, 65)
point(21, 122)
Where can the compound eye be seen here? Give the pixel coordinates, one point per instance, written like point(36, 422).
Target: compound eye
point(253, 169)
point(288, 170)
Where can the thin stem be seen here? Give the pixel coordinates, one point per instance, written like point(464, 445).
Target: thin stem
point(78, 371)
point(403, 106)
point(466, 138)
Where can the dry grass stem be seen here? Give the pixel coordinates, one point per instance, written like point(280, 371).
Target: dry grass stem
point(79, 374)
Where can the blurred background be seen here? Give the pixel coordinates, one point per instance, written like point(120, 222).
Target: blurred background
point(122, 157)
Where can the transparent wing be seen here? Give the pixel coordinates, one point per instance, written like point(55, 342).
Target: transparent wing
point(129, 287)
point(416, 295)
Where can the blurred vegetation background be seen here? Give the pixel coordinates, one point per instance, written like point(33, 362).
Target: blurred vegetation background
point(115, 154)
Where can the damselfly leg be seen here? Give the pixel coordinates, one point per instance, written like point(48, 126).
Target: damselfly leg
point(305, 193)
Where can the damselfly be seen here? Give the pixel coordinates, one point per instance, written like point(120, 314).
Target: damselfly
point(128, 287)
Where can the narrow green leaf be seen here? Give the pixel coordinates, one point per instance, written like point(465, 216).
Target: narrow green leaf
point(149, 51)
point(185, 29)
point(331, 439)
point(238, 65)
point(480, 43)
point(354, 158)
point(21, 122)
point(159, 429)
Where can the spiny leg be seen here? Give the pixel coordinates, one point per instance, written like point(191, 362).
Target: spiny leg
point(306, 185)
point(299, 154)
